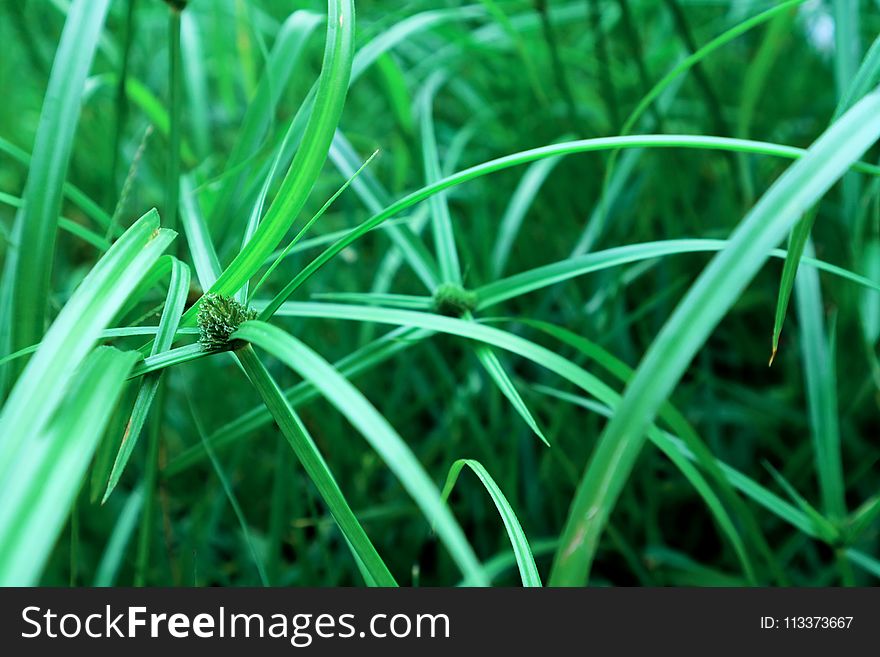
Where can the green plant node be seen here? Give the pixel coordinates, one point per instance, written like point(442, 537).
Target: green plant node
point(219, 317)
point(453, 300)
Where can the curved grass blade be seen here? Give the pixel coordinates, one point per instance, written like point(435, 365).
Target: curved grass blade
point(716, 289)
point(117, 544)
point(514, 344)
point(374, 198)
point(310, 223)
point(524, 157)
point(821, 525)
point(40, 489)
point(28, 266)
point(557, 272)
point(125, 332)
point(309, 158)
point(198, 239)
point(360, 360)
point(375, 428)
point(701, 454)
point(699, 55)
point(528, 570)
point(490, 362)
point(690, 62)
point(76, 196)
point(169, 358)
point(68, 225)
point(865, 78)
point(286, 52)
point(315, 466)
point(663, 441)
point(821, 387)
point(519, 204)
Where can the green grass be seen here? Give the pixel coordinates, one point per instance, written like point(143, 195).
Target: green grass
point(542, 243)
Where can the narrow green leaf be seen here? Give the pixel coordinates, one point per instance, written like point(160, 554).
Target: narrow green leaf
point(28, 266)
point(489, 361)
point(525, 561)
point(117, 545)
point(230, 495)
point(374, 198)
point(821, 386)
point(74, 332)
point(508, 342)
point(360, 360)
point(47, 473)
point(315, 466)
point(869, 303)
point(557, 272)
point(174, 304)
point(859, 85)
point(524, 157)
point(375, 428)
point(286, 52)
point(519, 204)
point(441, 221)
point(697, 314)
point(821, 526)
point(310, 157)
point(311, 222)
point(198, 238)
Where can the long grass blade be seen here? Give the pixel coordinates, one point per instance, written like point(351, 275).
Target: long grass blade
point(315, 466)
point(375, 428)
point(174, 304)
point(528, 570)
point(74, 332)
point(28, 267)
point(690, 325)
point(41, 488)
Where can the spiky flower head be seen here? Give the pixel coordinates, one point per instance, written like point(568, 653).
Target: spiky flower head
point(219, 317)
point(453, 300)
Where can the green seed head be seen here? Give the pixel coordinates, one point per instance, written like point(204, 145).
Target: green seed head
point(219, 317)
point(453, 300)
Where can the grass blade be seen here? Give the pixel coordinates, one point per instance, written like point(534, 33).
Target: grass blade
point(490, 362)
point(174, 303)
point(114, 552)
point(75, 331)
point(860, 84)
point(441, 221)
point(28, 267)
point(528, 570)
point(821, 386)
point(690, 325)
point(375, 428)
point(286, 250)
point(286, 52)
point(315, 466)
point(524, 157)
point(201, 249)
point(40, 489)
point(310, 157)
point(495, 338)
point(368, 356)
